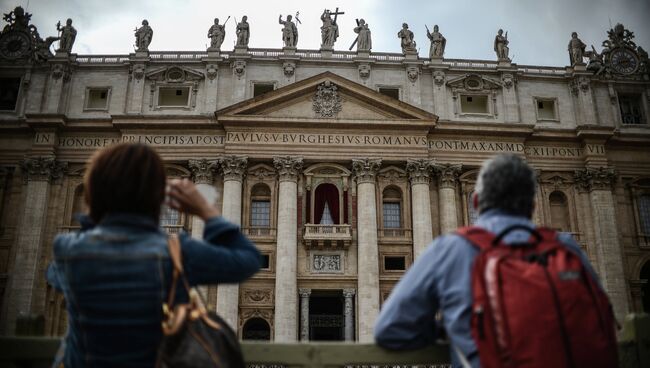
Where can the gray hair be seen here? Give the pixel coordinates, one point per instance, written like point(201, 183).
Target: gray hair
point(506, 182)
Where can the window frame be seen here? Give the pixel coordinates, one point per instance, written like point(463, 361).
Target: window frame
point(251, 92)
point(108, 90)
point(251, 212)
point(640, 97)
point(394, 87)
point(187, 106)
point(556, 114)
point(19, 95)
point(488, 104)
point(407, 262)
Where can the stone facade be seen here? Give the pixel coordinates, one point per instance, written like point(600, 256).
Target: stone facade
point(403, 169)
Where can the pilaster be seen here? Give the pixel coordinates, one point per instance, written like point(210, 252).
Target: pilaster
point(304, 313)
point(58, 84)
point(348, 313)
point(137, 71)
point(419, 171)
point(447, 182)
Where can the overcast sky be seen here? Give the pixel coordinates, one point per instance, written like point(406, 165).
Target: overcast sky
point(539, 30)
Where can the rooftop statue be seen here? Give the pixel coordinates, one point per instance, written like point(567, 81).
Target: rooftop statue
point(143, 36)
point(438, 43)
point(501, 46)
point(329, 30)
point(289, 32)
point(363, 40)
point(68, 35)
point(216, 33)
point(407, 41)
point(243, 32)
point(576, 50)
point(19, 39)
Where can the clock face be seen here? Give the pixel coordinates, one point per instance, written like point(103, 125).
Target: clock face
point(14, 45)
point(624, 61)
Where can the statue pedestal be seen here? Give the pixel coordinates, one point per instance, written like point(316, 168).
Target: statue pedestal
point(241, 50)
point(436, 60)
point(579, 67)
point(289, 50)
point(142, 54)
point(363, 54)
point(326, 53)
point(411, 55)
point(504, 63)
point(214, 52)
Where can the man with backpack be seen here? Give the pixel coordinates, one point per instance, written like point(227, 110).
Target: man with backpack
point(510, 294)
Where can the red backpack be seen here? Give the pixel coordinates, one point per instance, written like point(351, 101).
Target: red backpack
point(536, 305)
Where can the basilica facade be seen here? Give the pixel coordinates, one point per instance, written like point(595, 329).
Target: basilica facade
point(341, 166)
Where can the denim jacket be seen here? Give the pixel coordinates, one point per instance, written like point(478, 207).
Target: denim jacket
point(116, 275)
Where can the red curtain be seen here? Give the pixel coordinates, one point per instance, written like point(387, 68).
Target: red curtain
point(330, 194)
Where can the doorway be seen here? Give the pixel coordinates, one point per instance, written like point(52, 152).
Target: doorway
point(326, 322)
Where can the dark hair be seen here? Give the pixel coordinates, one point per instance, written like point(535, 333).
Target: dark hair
point(506, 182)
point(125, 178)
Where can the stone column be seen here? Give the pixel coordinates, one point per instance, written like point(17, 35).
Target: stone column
point(286, 303)
point(203, 176)
point(234, 168)
point(304, 314)
point(368, 252)
point(609, 255)
point(447, 178)
point(38, 171)
point(419, 171)
point(348, 313)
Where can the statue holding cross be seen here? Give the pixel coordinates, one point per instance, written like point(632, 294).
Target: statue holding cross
point(330, 29)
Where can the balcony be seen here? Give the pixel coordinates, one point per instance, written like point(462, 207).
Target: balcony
point(259, 232)
point(327, 236)
point(394, 235)
point(32, 351)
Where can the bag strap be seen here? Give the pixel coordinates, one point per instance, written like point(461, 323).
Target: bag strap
point(174, 246)
point(477, 236)
point(484, 239)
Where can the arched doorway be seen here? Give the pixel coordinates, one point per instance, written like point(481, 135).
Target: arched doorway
point(256, 329)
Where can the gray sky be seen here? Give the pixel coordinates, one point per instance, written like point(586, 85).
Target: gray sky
point(539, 30)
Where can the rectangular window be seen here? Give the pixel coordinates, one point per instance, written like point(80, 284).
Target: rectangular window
point(390, 92)
point(631, 112)
point(266, 262)
point(644, 214)
point(173, 96)
point(9, 88)
point(394, 263)
point(97, 98)
point(260, 213)
point(392, 215)
point(474, 104)
point(262, 88)
point(546, 110)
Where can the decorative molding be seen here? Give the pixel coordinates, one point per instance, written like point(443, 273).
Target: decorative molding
point(439, 78)
point(326, 263)
point(288, 167)
point(364, 70)
point(43, 168)
point(508, 80)
point(581, 83)
point(265, 314)
point(238, 68)
point(326, 101)
point(261, 172)
point(419, 170)
point(61, 71)
point(233, 167)
point(257, 296)
point(175, 74)
point(304, 293)
point(289, 68)
point(447, 174)
point(137, 71)
point(366, 169)
point(203, 170)
point(349, 293)
point(473, 83)
point(211, 71)
point(589, 179)
point(413, 72)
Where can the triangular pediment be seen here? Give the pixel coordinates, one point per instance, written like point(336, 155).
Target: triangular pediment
point(174, 74)
point(474, 82)
point(326, 96)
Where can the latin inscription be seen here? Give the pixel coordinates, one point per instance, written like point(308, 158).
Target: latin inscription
point(327, 139)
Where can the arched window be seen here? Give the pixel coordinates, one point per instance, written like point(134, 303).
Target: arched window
point(645, 275)
point(559, 211)
point(260, 213)
point(392, 208)
point(256, 329)
point(326, 205)
point(78, 205)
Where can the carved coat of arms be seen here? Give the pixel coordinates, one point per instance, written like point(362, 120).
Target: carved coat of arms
point(327, 102)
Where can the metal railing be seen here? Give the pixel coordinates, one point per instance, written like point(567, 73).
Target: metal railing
point(634, 351)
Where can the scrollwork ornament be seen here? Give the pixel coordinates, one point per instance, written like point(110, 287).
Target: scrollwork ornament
point(413, 72)
point(211, 71)
point(289, 68)
point(364, 71)
point(439, 78)
point(238, 68)
point(508, 80)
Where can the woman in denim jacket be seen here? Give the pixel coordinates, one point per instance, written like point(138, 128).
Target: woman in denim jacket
point(115, 273)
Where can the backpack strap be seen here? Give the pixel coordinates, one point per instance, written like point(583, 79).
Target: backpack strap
point(174, 246)
point(477, 236)
point(483, 239)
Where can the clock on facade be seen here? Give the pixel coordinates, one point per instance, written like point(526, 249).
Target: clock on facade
point(624, 61)
point(14, 45)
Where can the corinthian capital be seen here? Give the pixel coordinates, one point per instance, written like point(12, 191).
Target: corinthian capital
point(202, 170)
point(288, 167)
point(589, 179)
point(233, 167)
point(447, 174)
point(43, 168)
point(366, 169)
point(419, 170)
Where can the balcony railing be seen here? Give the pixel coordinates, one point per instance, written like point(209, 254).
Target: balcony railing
point(259, 231)
point(394, 234)
point(634, 351)
point(319, 236)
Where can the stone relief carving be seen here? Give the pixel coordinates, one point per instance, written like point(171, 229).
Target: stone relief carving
point(327, 102)
point(211, 70)
point(289, 67)
point(203, 170)
point(501, 46)
point(508, 80)
point(474, 83)
point(137, 71)
point(412, 72)
point(326, 263)
point(243, 32)
point(266, 314)
point(391, 175)
point(68, 35)
point(365, 169)
point(233, 167)
point(61, 71)
point(364, 70)
point(580, 84)
point(589, 179)
point(447, 174)
point(43, 168)
point(238, 68)
point(216, 34)
point(419, 170)
point(143, 36)
point(174, 74)
point(257, 296)
point(438, 43)
point(261, 173)
point(288, 167)
point(439, 78)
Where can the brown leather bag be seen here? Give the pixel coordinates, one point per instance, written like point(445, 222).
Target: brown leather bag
point(192, 335)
